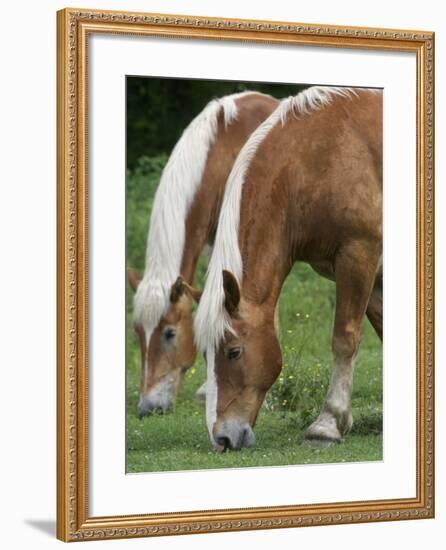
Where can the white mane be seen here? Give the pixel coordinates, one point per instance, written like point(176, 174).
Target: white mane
point(179, 182)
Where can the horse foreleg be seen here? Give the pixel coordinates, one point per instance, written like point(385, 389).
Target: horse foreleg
point(200, 394)
point(355, 274)
point(375, 311)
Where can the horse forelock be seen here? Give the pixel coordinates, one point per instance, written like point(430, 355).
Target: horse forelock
point(178, 185)
point(211, 392)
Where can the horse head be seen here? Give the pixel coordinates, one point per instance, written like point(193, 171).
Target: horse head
point(246, 364)
point(167, 351)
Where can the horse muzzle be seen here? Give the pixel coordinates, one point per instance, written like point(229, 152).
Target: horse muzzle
point(158, 400)
point(233, 434)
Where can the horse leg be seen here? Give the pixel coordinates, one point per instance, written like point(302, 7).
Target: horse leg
point(375, 311)
point(200, 394)
point(355, 274)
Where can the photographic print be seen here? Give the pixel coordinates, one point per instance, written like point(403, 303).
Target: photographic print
point(245, 275)
point(254, 254)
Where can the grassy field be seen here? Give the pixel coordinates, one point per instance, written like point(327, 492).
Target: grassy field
point(179, 441)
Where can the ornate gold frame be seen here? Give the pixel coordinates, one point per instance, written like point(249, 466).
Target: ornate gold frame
point(73, 521)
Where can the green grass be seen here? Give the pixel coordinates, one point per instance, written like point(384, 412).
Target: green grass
point(179, 441)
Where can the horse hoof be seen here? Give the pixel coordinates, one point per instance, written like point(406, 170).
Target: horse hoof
point(323, 432)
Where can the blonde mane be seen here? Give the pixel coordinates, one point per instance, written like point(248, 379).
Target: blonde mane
point(179, 182)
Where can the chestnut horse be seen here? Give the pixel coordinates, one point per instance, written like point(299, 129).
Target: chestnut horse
point(184, 218)
point(307, 186)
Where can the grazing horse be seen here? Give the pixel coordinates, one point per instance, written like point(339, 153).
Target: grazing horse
point(184, 218)
point(307, 186)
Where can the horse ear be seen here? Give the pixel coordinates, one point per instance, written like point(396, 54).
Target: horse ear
point(134, 278)
point(193, 292)
point(232, 292)
point(177, 290)
point(180, 287)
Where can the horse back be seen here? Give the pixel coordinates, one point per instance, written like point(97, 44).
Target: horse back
point(318, 177)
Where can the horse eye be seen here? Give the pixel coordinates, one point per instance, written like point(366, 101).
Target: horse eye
point(170, 333)
point(234, 353)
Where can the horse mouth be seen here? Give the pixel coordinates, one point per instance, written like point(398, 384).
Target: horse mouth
point(224, 444)
point(159, 400)
point(235, 439)
point(155, 411)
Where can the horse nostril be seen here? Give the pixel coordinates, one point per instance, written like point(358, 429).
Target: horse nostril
point(224, 442)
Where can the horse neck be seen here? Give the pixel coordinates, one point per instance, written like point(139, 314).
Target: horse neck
point(202, 218)
point(200, 225)
point(267, 255)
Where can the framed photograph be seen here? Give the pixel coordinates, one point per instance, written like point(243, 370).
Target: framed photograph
point(245, 275)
